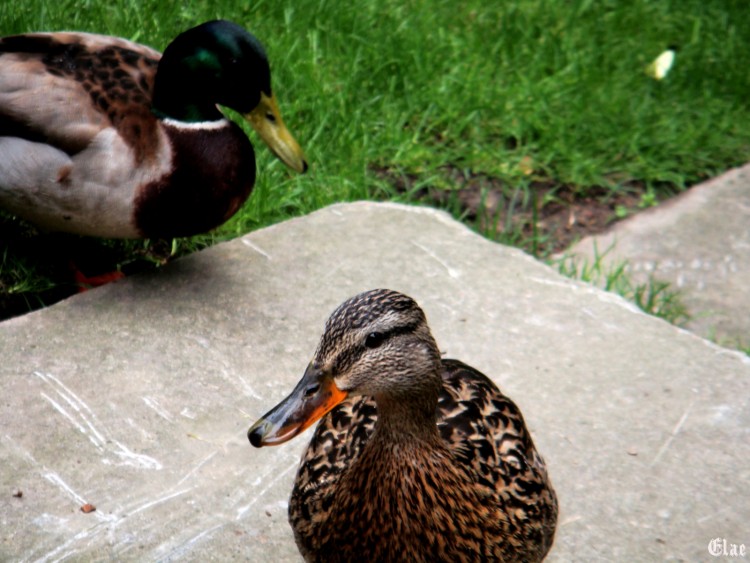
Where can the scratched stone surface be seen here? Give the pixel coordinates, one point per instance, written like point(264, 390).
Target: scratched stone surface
point(699, 242)
point(136, 397)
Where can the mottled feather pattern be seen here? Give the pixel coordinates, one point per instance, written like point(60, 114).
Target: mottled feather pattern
point(338, 439)
point(482, 429)
point(110, 77)
point(487, 432)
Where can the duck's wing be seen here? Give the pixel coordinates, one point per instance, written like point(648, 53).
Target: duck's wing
point(483, 427)
point(62, 89)
point(486, 432)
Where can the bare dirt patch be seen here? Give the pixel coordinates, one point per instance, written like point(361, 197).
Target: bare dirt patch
point(546, 216)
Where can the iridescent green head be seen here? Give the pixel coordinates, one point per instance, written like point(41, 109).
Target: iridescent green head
point(221, 63)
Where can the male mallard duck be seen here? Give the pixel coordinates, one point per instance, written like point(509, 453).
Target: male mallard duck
point(415, 458)
point(105, 137)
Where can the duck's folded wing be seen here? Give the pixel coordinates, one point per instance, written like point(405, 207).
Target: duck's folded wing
point(64, 88)
point(484, 428)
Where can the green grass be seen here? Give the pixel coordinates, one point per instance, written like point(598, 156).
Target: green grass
point(654, 297)
point(523, 92)
point(19, 277)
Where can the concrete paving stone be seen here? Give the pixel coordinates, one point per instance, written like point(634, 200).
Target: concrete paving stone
point(136, 397)
point(699, 242)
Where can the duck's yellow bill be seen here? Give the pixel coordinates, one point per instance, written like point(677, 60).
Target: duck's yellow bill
point(266, 120)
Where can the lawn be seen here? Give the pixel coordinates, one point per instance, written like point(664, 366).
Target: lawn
point(504, 113)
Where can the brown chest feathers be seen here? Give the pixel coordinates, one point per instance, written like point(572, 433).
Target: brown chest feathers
point(402, 503)
point(212, 175)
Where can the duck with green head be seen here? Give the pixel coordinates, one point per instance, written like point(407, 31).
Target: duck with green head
point(102, 136)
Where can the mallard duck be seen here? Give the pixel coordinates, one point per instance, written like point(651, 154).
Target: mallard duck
point(416, 458)
point(105, 137)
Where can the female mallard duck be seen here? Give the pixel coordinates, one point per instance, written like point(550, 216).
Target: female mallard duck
point(101, 136)
point(416, 458)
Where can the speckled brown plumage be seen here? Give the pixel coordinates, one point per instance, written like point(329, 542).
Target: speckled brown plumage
point(425, 460)
point(117, 78)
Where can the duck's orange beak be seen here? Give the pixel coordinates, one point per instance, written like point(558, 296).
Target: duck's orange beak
point(314, 396)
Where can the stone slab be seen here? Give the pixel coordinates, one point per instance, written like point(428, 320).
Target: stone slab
point(136, 397)
point(700, 243)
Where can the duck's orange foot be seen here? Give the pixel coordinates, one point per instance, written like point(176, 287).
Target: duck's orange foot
point(85, 283)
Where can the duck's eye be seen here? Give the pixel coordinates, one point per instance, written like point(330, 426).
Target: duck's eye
point(271, 117)
point(374, 339)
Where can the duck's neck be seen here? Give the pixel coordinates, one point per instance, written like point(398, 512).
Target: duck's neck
point(178, 104)
point(408, 418)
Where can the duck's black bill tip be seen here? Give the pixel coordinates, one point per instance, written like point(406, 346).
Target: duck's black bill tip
point(255, 437)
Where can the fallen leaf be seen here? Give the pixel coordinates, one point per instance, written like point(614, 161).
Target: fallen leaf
point(526, 165)
point(660, 66)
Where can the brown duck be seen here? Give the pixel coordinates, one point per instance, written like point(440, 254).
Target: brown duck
point(416, 458)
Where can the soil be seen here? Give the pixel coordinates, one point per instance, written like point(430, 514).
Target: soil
point(549, 221)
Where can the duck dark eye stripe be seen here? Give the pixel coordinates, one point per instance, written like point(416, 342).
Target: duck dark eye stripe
point(385, 336)
point(398, 330)
point(349, 357)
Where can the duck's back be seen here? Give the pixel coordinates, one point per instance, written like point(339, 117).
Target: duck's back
point(483, 494)
point(63, 88)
